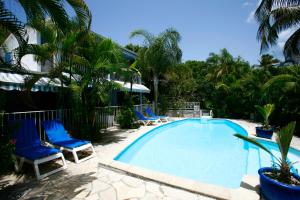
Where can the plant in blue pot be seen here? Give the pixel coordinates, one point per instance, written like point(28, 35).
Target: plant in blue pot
point(278, 182)
point(265, 131)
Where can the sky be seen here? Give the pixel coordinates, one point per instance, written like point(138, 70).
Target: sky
point(205, 26)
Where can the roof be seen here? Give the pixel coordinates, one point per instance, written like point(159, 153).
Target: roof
point(13, 81)
point(128, 53)
point(135, 87)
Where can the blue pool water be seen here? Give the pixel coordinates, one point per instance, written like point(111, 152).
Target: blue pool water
point(202, 150)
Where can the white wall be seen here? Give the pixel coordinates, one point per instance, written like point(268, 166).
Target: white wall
point(28, 61)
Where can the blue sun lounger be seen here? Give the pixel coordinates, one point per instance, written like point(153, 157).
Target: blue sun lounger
point(146, 120)
point(151, 114)
point(29, 148)
point(59, 137)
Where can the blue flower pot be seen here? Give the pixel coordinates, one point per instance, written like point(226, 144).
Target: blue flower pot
point(260, 132)
point(274, 190)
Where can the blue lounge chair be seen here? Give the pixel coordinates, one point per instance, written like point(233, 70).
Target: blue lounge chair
point(29, 148)
point(146, 120)
point(59, 137)
point(151, 114)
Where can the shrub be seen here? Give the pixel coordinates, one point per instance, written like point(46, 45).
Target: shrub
point(126, 118)
point(7, 147)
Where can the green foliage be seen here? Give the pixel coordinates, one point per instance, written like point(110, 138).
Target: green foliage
point(7, 146)
point(126, 117)
point(96, 57)
point(274, 17)
point(283, 139)
point(265, 112)
point(231, 87)
point(158, 54)
point(134, 48)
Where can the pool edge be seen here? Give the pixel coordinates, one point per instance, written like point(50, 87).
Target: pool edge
point(209, 190)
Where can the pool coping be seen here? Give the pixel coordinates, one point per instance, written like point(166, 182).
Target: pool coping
point(190, 185)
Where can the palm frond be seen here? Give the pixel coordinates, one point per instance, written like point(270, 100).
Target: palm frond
point(284, 138)
point(285, 18)
point(82, 11)
point(149, 38)
point(39, 9)
point(275, 16)
point(263, 10)
point(291, 45)
point(279, 79)
point(253, 141)
point(261, 110)
point(10, 23)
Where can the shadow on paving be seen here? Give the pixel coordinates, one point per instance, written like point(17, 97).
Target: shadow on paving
point(109, 137)
point(58, 186)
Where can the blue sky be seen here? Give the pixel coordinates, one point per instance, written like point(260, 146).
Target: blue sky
point(205, 26)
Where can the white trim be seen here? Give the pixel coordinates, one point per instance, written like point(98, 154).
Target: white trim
point(165, 119)
point(39, 176)
point(75, 150)
point(149, 121)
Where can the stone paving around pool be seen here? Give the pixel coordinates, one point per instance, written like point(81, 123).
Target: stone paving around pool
point(90, 180)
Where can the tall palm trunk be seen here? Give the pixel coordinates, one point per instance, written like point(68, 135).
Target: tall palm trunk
point(155, 85)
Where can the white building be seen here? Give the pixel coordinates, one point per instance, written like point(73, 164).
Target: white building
point(28, 61)
point(13, 81)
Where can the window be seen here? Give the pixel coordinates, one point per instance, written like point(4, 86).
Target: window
point(8, 57)
point(43, 40)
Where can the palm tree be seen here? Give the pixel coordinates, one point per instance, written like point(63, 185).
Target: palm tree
point(222, 64)
point(266, 61)
point(36, 12)
point(9, 23)
point(55, 9)
point(275, 16)
point(159, 53)
point(94, 59)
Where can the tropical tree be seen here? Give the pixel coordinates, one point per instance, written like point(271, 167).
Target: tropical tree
point(275, 16)
point(134, 48)
point(55, 9)
point(159, 53)
point(9, 23)
point(36, 12)
point(95, 59)
point(267, 61)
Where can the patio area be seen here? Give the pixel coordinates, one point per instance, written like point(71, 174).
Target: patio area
point(92, 179)
point(89, 180)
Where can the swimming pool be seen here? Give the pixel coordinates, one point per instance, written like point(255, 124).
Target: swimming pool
point(202, 150)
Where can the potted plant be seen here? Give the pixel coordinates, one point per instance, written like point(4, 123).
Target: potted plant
point(265, 131)
point(278, 182)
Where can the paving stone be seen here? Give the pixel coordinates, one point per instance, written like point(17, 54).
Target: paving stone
point(149, 196)
point(132, 182)
point(98, 186)
point(109, 194)
point(200, 197)
point(154, 188)
point(89, 180)
point(92, 197)
point(136, 193)
point(83, 191)
point(114, 177)
point(179, 194)
point(126, 192)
